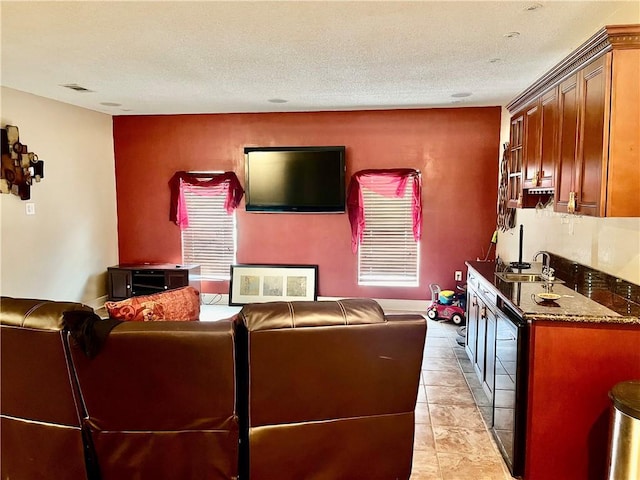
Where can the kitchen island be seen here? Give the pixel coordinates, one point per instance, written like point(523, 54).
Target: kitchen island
point(547, 368)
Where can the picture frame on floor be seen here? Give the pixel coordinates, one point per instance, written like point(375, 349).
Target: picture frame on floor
point(253, 283)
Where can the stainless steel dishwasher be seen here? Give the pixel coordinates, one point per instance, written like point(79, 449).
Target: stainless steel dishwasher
point(510, 394)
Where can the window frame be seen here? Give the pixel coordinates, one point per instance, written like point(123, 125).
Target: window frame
point(376, 203)
point(223, 272)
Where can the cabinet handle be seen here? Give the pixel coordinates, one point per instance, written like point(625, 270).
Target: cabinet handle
point(571, 205)
point(474, 301)
point(483, 312)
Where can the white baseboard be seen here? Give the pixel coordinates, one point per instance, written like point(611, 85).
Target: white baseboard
point(214, 298)
point(389, 305)
point(394, 305)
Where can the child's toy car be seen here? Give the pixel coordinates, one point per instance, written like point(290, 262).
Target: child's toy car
point(446, 305)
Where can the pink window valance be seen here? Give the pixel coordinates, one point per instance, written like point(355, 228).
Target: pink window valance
point(387, 182)
point(208, 184)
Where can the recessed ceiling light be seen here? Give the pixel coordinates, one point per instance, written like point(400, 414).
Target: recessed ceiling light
point(277, 100)
point(533, 6)
point(110, 104)
point(512, 35)
point(76, 87)
point(461, 95)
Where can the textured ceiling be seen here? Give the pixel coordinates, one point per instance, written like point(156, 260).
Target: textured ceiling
point(214, 57)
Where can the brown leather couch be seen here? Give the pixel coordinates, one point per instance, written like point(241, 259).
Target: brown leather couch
point(322, 390)
point(329, 390)
point(160, 401)
point(40, 421)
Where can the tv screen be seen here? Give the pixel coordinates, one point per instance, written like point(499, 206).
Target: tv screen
point(295, 179)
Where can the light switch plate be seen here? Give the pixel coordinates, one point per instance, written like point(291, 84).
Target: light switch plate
point(458, 276)
point(30, 208)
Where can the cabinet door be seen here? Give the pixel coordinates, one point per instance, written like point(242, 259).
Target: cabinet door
point(549, 137)
point(481, 341)
point(489, 381)
point(567, 141)
point(515, 161)
point(175, 279)
point(591, 145)
point(531, 145)
point(119, 284)
point(472, 324)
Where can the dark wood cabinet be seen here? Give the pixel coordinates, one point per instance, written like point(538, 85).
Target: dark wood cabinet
point(548, 138)
point(532, 144)
point(582, 139)
point(119, 283)
point(540, 140)
point(581, 122)
point(591, 142)
point(516, 155)
point(132, 280)
point(567, 142)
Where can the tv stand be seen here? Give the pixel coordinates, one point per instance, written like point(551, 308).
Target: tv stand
point(144, 279)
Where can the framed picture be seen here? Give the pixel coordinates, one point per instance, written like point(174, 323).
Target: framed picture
point(272, 283)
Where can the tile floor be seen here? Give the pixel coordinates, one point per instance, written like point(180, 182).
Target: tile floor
point(451, 440)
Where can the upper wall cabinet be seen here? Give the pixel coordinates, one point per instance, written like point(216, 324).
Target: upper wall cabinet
point(540, 132)
point(515, 162)
point(582, 128)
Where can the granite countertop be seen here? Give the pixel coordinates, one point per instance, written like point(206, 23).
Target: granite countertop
point(570, 307)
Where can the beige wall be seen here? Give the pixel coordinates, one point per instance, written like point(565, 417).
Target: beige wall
point(61, 252)
point(608, 244)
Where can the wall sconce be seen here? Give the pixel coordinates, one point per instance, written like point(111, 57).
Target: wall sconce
point(20, 167)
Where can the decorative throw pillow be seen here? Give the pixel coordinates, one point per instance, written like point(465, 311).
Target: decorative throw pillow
point(181, 304)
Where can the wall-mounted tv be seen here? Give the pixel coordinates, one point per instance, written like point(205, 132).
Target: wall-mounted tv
point(295, 179)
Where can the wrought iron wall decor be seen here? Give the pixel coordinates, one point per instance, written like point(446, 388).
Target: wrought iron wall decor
point(20, 167)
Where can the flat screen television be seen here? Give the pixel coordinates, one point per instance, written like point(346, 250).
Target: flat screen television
point(295, 179)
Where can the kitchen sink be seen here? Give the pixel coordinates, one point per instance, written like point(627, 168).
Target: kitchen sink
point(525, 277)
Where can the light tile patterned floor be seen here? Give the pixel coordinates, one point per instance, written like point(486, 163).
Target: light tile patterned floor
point(451, 440)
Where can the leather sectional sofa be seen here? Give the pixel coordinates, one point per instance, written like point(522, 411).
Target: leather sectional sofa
point(301, 390)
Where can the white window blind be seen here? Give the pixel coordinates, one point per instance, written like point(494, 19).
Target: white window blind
point(388, 254)
point(210, 238)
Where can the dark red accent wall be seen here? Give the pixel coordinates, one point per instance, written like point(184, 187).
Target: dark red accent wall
point(456, 150)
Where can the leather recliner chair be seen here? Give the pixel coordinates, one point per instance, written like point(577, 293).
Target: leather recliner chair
point(160, 401)
point(329, 390)
point(40, 414)
point(314, 390)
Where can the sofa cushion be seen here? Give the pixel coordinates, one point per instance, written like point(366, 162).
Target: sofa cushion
point(181, 304)
point(279, 315)
point(36, 314)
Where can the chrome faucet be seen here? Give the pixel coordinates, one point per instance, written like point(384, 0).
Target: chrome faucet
point(547, 271)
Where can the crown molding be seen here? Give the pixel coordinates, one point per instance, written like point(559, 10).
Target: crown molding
point(604, 40)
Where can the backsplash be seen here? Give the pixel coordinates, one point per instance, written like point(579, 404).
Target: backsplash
point(615, 293)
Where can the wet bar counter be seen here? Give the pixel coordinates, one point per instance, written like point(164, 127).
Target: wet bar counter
point(604, 306)
point(570, 354)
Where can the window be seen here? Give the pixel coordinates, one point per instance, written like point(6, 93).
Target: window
point(388, 253)
point(210, 238)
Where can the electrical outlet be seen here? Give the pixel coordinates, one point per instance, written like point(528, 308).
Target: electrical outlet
point(458, 276)
point(30, 208)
